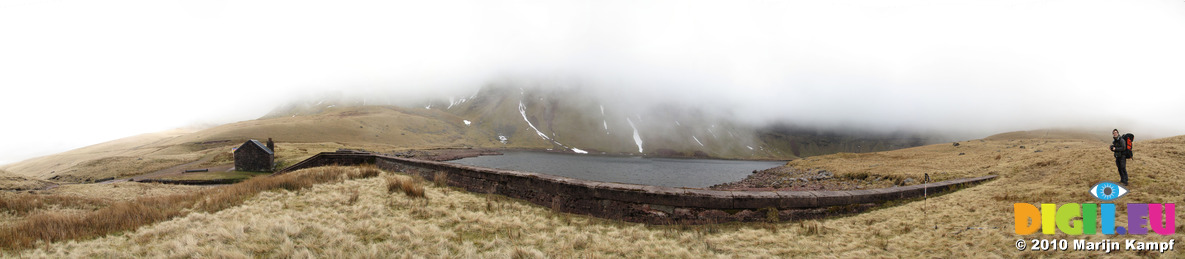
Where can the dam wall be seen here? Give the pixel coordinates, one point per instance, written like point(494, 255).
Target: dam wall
point(639, 203)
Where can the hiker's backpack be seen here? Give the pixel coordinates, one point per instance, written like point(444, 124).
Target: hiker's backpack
point(1128, 138)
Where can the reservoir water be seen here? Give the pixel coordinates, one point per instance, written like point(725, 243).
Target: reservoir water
point(670, 172)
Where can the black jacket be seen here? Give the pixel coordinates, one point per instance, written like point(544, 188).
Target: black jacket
point(1119, 146)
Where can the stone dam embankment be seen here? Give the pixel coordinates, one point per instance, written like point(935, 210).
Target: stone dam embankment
point(639, 203)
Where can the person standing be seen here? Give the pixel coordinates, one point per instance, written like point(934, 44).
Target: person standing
point(1118, 146)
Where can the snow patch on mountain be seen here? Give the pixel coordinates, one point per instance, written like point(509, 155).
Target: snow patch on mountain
point(603, 121)
point(522, 109)
point(454, 102)
point(637, 137)
point(697, 141)
point(467, 122)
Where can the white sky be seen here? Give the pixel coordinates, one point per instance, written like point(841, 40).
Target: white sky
point(76, 73)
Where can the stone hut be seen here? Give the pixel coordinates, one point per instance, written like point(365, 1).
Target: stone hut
point(254, 156)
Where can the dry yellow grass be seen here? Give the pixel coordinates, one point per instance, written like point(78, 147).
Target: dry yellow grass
point(1080, 134)
point(410, 187)
point(43, 222)
point(103, 164)
point(361, 218)
point(10, 181)
point(298, 137)
point(121, 166)
point(79, 198)
point(21, 204)
point(386, 129)
point(123, 191)
point(134, 147)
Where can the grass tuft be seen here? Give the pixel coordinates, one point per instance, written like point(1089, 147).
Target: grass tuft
point(811, 228)
point(366, 171)
point(410, 187)
point(440, 179)
point(353, 197)
point(771, 215)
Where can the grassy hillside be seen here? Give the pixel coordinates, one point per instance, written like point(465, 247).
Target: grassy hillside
point(10, 181)
point(365, 217)
point(127, 156)
point(1099, 135)
point(368, 127)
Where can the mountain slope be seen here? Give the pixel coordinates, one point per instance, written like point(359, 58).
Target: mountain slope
point(1103, 135)
point(498, 116)
point(11, 181)
point(567, 119)
point(126, 155)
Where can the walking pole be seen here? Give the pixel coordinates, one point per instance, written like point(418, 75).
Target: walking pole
point(926, 199)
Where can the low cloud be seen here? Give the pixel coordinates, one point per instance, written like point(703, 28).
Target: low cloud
point(967, 68)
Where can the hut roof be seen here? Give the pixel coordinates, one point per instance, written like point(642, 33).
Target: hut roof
point(260, 145)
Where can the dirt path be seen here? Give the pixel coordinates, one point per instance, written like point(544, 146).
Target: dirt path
point(177, 169)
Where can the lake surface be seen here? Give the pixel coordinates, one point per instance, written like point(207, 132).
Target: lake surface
point(670, 172)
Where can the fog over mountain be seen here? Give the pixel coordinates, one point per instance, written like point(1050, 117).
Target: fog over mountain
point(82, 72)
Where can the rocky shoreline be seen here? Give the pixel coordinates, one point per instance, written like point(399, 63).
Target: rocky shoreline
point(446, 154)
point(785, 178)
